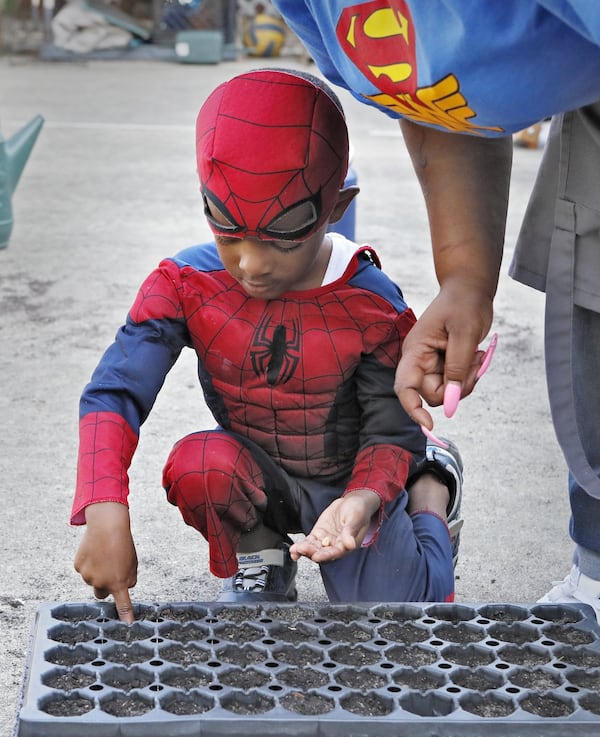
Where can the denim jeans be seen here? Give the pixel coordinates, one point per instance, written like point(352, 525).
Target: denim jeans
point(585, 510)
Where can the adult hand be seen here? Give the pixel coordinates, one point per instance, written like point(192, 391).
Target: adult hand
point(442, 351)
point(106, 557)
point(340, 529)
point(465, 182)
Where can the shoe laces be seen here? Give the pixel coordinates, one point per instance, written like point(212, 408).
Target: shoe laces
point(251, 579)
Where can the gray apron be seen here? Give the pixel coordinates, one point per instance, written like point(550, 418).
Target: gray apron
point(558, 251)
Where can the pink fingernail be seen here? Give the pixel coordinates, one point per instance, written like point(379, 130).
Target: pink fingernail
point(487, 356)
point(433, 438)
point(451, 398)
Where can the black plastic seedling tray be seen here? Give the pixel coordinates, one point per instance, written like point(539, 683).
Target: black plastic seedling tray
point(312, 670)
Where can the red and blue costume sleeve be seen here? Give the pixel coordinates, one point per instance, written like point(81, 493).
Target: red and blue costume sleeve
point(122, 391)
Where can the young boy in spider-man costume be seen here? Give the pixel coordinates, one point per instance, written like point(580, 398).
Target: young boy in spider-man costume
point(298, 333)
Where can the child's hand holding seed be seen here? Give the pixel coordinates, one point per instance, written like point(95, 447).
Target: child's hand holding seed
point(341, 528)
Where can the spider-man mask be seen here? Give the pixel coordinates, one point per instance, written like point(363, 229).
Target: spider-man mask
point(272, 152)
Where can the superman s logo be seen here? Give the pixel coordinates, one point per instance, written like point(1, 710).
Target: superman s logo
point(378, 37)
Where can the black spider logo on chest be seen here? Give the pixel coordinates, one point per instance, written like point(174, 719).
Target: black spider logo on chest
point(275, 351)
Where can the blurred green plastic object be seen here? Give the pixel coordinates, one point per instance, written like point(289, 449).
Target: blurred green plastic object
point(14, 153)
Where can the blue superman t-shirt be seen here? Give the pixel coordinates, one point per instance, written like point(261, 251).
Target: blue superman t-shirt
point(469, 66)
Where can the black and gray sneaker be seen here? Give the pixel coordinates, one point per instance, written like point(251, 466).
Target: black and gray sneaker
point(266, 575)
point(447, 465)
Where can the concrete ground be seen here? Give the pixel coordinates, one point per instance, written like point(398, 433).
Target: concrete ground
point(110, 189)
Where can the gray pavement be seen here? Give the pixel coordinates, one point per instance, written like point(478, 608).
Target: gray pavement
point(111, 188)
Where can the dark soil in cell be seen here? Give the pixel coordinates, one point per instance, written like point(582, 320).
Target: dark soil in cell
point(65, 656)
point(124, 681)
point(126, 706)
point(78, 614)
point(477, 680)
point(419, 680)
point(297, 655)
point(488, 707)
point(181, 706)
point(411, 656)
point(591, 703)
point(458, 633)
point(344, 614)
point(128, 633)
point(303, 678)
point(368, 705)
point(585, 679)
point(569, 635)
point(307, 703)
point(128, 655)
point(580, 657)
point(354, 655)
point(546, 706)
point(183, 633)
point(523, 656)
point(450, 613)
point(293, 634)
point(183, 614)
point(74, 635)
point(535, 680)
point(471, 656)
point(186, 679)
point(361, 680)
point(240, 614)
point(347, 633)
point(518, 634)
point(239, 633)
point(556, 614)
point(503, 613)
point(290, 614)
point(241, 655)
point(244, 679)
point(68, 680)
point(74, 706)
point(184, 655)
point(399, 614)
point(405, 633)
point(253, 703)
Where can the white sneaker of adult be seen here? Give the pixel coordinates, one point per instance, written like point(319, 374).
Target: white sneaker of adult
point(575, 587)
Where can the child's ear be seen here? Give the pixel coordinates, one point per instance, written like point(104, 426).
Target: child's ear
point(345, 197)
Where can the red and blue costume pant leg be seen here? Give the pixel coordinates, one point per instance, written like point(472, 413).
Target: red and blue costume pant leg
point(223, 485)
point(218, 487)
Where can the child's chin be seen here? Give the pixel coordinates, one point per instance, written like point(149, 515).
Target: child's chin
point(262, 291)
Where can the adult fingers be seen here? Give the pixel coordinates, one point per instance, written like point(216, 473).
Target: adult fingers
point(420, 375)
point(460, 368)
point(411, 400)
point(409, 386)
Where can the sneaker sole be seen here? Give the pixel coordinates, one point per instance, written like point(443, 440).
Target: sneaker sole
point(247, 597)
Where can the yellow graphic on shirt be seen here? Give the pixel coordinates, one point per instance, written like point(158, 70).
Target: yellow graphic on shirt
point(441, 104)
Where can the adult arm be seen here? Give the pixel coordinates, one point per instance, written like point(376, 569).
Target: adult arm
point(465, 181)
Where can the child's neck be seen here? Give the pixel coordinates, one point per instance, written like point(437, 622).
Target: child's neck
point(320, 265)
